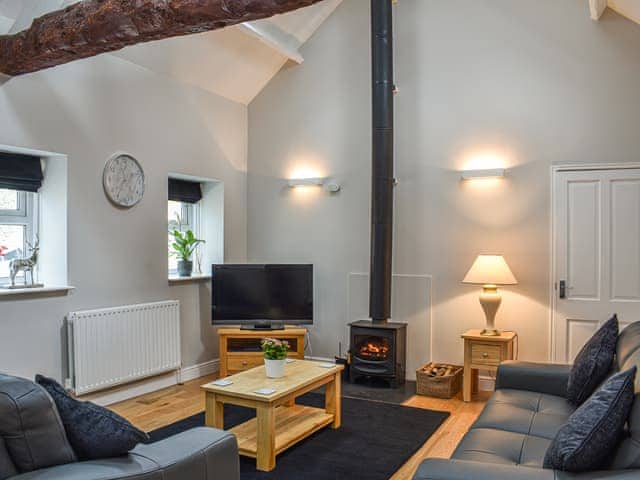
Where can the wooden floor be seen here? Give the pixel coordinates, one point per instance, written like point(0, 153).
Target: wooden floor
point(173, 404)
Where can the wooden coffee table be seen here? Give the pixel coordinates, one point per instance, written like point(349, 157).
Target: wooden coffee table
point(280, 423)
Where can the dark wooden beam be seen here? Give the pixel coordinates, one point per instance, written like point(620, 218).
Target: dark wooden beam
point(92, 27)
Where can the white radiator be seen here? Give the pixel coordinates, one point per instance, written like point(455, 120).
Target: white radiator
point(111, 346)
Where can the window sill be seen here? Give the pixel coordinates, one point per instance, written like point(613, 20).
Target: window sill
point(46, 291)
point(176, 280)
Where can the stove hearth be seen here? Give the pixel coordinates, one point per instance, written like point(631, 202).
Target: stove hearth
point(378, 350)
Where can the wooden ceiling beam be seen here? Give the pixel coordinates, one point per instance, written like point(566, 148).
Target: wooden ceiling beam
point(92, 27)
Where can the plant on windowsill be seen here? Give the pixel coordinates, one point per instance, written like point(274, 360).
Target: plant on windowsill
point(275, 356)
point(184, 244)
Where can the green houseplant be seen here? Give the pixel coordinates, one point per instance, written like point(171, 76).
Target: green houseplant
point(184, 244)
point(275, 356)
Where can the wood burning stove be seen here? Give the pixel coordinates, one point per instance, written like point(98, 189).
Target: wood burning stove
point(378, 350)
point(378, 347)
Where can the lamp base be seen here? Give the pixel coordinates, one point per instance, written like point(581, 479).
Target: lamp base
point(490, 332)
point(490, 300)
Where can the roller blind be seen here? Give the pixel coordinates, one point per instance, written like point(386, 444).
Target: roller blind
point(184, 191)
point(20, 172)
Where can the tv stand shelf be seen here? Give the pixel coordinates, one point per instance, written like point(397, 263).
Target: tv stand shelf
point(240, 349)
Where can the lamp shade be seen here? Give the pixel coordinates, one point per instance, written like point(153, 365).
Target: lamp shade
point(490, 270)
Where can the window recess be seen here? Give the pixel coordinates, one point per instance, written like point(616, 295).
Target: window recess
point(20, 179)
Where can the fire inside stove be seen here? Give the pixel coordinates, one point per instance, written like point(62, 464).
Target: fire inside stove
point(374, 349)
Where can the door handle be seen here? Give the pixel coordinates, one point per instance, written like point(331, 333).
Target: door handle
point(563, 289)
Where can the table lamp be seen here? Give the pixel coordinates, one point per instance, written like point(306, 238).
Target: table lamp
point(490, 271)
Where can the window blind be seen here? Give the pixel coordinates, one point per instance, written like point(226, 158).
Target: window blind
point(20, 172)
point(184, 191)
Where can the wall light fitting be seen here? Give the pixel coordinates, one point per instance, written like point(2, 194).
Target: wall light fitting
point(329, 186)
point(305, 182)
point(487, 173)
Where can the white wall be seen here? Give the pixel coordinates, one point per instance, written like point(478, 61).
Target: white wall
point(529, 83)
point(88, 110)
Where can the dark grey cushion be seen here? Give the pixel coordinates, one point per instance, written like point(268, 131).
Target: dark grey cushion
point(30, 426)
point(590, 436)
point(7, 468)
point(593, 363)
point(93, 431)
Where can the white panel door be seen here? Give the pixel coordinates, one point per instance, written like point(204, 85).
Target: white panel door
point(597, 254)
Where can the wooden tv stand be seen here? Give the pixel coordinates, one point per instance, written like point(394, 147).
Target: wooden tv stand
point(240, 349)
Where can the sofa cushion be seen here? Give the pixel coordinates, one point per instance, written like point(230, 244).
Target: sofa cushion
point(525, 412)
point(94, 432)
point(593, 363)
point(515, 428)
point(30, 425)
point(591, 434)
point(7, 468)
point(534, 401)
point(490, 445)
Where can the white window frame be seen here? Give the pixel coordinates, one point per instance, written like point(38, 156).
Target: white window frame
point(26, 215)
point(21, 211)
point(192, 212)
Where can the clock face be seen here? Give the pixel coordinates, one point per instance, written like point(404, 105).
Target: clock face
point(123, 180)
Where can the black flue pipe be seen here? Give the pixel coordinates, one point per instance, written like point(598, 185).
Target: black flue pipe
point(382, 162)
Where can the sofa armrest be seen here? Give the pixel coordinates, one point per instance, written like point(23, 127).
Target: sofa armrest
point(536, 377)
point(442, 469)
point(200, 453)
point(197, 454)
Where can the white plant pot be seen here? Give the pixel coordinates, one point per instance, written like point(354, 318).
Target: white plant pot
point(275, 368)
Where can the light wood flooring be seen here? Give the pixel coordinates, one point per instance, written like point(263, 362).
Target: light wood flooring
point(173, 404)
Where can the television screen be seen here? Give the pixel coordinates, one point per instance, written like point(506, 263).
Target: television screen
point(259, 293)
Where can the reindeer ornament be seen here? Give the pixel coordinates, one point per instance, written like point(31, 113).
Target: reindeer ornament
point(25, 265)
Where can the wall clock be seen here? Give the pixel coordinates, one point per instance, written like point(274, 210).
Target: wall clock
point(123, 180)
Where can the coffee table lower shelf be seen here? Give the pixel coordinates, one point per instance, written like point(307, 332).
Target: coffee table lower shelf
point(292, 424)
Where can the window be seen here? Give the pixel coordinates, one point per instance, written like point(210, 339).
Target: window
point(183, 216)
point(18, 228)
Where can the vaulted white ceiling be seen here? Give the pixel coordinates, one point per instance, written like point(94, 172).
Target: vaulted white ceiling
point(235, 62)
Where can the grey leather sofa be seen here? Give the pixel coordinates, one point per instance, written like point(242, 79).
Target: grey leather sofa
point(32, 436)
point(511, 435)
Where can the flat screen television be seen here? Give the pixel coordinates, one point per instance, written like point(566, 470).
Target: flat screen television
point(262, 296)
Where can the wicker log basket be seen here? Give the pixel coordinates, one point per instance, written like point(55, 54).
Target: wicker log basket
point(440, 380)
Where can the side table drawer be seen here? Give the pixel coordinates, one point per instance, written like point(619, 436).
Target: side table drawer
point(239, 363)
point(484, 354)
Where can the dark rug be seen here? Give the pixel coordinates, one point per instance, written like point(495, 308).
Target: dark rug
point(375, 440)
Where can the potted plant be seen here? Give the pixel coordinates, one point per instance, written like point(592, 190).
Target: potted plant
point(184, 244)
point(275, 356)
